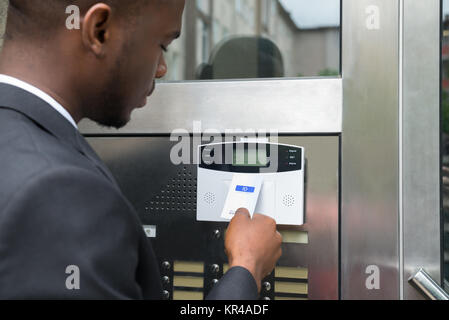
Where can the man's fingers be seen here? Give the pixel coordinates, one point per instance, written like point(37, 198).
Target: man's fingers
point(279, 236)
point(243, 213)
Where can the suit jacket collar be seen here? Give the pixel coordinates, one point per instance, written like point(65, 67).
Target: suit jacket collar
point(39, 111)
point(47, 117)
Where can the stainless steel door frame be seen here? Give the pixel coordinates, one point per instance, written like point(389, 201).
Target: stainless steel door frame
point(307, 106)
point(390, 146)
point(370, 156)
point(421, 236)
point(386, 106)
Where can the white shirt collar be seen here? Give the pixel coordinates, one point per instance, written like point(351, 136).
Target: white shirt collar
point(39, 93)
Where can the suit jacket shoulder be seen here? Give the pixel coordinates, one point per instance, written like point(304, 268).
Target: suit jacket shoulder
point(59, 208)
point(64, 217)
point(28, 150)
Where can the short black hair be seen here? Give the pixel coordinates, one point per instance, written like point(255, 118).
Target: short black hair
point(38, 18)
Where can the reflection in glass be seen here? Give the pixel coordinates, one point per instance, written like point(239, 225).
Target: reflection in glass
point(236, 39)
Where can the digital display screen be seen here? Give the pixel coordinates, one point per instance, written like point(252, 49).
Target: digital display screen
point(252, 157)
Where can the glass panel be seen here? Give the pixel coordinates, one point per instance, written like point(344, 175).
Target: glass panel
point(237, 39)
point(445, 137)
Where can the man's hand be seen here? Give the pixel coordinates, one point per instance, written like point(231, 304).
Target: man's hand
point(253, 244)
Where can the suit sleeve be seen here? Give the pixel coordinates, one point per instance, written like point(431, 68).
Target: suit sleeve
point(236, 284)
point(64, 220)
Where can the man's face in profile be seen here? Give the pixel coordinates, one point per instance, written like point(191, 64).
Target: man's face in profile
point(135, 59)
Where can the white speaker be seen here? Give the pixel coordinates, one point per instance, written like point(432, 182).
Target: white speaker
point(209, 198)
point(288, 200)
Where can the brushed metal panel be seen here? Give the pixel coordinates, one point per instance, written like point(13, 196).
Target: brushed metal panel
point(320, 255)
point(370, 164)
point(142, 168)
point(421, 141)
point(288, 106)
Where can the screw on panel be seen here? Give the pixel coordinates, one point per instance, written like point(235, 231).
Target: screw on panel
point(166, 265)
point(215, 268)
point(165, 280)
point(267, 286)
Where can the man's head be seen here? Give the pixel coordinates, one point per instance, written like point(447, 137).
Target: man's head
point(104, 69)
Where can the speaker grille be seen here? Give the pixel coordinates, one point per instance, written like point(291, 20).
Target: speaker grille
point(288, 200)
point(209, 198)
point(178, 195)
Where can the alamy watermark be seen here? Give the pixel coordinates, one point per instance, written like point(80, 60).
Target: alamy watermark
point(186, 151)
point(372, 282)
point(73, 20)
point(372, 17)
point(72, 282)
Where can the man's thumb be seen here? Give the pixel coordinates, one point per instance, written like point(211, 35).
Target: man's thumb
point(243, 212)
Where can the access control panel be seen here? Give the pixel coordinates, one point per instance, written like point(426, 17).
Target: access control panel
point(190, 252)
point(266, 178)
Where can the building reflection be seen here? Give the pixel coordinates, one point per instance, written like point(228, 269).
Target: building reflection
point(207, 23)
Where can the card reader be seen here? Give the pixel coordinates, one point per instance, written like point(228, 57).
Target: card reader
point(265, 178)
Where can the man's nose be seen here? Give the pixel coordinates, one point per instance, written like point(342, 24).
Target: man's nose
point(161, 68)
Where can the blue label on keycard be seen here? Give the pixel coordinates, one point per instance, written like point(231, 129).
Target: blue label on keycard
point(245, 189)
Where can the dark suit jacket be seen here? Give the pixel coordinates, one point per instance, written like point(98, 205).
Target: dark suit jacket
point(60, 206)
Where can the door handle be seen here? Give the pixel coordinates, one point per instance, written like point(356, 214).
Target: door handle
point(423, 281)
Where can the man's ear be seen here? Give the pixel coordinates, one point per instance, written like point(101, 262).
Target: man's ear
point(95, 28)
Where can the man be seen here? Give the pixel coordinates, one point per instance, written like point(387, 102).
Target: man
point(60, 208)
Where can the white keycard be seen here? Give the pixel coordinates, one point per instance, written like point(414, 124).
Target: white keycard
point(243, 193)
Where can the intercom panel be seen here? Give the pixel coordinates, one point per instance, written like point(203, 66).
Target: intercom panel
point(278, 168)
point(191, 252)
